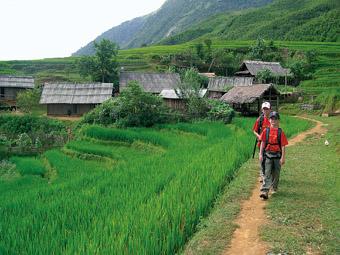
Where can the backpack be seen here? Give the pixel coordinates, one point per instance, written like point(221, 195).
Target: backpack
point(259, 129)
point(273, 154)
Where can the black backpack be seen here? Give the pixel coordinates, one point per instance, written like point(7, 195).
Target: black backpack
point(259, 128)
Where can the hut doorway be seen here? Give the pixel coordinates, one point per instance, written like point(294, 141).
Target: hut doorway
point(2, 92)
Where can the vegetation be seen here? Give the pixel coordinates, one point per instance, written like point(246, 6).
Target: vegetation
point(103, 65)
point(159, 218)
point(28, 100)
point(171, 18)
point(330, 101)
point(304, 214)
point(132, 108)
point(215, 231)
point(287, 20)
point(29, 134)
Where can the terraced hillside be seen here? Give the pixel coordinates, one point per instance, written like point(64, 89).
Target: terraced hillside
point(120, 191)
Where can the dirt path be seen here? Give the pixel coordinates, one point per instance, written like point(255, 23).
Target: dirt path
point(246, 239)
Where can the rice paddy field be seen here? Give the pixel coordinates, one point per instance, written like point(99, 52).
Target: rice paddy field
point(123, 191)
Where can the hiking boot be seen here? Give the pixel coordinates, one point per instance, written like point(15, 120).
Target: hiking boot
point(264, 195)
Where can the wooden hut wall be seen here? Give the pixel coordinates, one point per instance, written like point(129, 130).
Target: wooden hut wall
point(10, 93)
point(69, 109)
point(176, 104)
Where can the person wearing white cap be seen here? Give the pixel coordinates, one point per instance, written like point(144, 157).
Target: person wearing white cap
point(261, 124)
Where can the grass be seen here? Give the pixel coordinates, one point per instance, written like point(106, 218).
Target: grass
point(148, 199)
point(215, 232)
point(304, 215)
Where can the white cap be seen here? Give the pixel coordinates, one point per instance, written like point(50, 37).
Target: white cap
point(265, 105)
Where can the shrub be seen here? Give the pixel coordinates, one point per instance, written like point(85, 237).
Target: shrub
point(220, 111)
point(329, 101)
point(132, 108)
point(29, 99)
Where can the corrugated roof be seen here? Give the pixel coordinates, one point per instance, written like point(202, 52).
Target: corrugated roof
point(171, 93)
point(247, 94)
point(151, 82)
point(68, 93)
point(17, 81)
point(222, 84)
point(256, 66)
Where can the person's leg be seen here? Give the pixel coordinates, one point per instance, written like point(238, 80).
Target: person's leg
point(276, 173)
point(267, 181)
point(262, 169)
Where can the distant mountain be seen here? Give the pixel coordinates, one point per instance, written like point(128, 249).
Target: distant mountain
point(173, 17)
point(291, 20)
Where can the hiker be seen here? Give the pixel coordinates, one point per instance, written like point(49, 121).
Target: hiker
point(261, 123)
point(273, 153)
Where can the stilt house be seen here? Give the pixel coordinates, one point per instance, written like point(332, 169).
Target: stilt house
point(10, 86)
point(218, 86)
point(251, 68)
point(67, 99)
point(248, 99)
point(175, 100)
point(150, 82)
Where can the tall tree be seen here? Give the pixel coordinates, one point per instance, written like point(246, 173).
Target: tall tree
point(103, 65)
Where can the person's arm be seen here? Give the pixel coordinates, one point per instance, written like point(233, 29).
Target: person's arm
point(257, 135)
point(283, 156)
point(255, 128)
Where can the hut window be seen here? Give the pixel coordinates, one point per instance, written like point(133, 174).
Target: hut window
point(2, 92)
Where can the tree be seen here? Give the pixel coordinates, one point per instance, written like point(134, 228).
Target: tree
point(265, 76)
point(28, 100)
point(189, 90)
point(257, 51)
point(103, 65)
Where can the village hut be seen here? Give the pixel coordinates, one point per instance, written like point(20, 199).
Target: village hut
point(151, 82)
point(252, 68)
point(67, 99)
point(218, 86)
point(248, 99)
point(175, 99)
point(10, 86)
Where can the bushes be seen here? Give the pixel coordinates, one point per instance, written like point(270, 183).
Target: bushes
point(29, 134)
point(132, 108)
point(220, 111)
point(330, 101)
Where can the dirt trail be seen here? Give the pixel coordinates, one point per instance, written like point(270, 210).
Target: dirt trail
point(246, 239)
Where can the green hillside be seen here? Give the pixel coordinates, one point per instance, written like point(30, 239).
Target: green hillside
point(173, 17)
point(290, 20)
point(325, 77)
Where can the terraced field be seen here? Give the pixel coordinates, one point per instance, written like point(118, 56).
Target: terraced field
point(113, 191)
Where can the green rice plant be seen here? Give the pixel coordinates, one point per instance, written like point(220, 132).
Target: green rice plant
point(29, 166)
point(145, 202)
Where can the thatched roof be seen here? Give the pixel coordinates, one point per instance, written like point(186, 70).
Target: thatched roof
point(151, 82)
point(68, 93)
point(26, 82)
point(222, 84)
point(171, 93)
point(253, 67)
point(248, 94)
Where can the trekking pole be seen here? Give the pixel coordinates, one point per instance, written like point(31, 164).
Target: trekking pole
point(254, 148)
